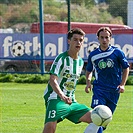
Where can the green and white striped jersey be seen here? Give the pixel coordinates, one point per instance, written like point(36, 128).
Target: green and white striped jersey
point(68, 71)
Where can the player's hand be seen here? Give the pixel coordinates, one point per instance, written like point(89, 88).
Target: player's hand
point(88, 88)
point(66, 99)
point(121, 88)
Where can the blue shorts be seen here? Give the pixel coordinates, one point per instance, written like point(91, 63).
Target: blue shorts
point(101, 97)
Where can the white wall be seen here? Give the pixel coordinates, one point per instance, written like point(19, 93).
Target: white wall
point(130, 13)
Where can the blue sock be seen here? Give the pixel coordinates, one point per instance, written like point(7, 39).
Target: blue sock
point(100, 130)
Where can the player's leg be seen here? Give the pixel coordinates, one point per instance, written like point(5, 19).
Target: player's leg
point(91, 128)
point(112, 101)
point(50, 127)
point(81, 113)
point(86, 117)
point(100, 130)
point(56, 111)
point(97, 99)
point(108, 99)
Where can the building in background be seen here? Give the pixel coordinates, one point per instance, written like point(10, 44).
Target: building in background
point(130, 13)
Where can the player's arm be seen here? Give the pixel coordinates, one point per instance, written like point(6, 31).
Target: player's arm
point(124, 79)
point(89, 72)
point(54, 84)
point(88, 81)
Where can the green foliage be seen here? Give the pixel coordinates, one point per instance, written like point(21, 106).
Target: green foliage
point(87, 3)
point(82, 80)
point(24, 78)
point(26, 11)
point(129, 80)
point(14, 1)
point(114, 5)
point(33, 79)
point(52, 3)
point(14, 14)
point(6, 78)
point(37, 78)
point(93, 14)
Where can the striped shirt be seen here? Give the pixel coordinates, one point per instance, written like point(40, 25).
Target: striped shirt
point(68, 71)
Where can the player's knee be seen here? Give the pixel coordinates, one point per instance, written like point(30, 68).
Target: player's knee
point(49, 127)
point(86, 118)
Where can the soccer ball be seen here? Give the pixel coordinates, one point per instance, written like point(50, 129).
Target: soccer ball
point(92, 46)
point(18, 49)
point(101, 115)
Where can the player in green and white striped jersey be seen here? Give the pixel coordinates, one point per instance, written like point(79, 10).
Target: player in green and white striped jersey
point(68, 71)
point(59, 95)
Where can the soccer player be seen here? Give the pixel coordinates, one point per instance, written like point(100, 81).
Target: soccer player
point(59, 95)
point(111, 70)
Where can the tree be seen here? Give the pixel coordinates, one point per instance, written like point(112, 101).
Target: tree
point(118, 8)
point(14, 1)
point(87, 3)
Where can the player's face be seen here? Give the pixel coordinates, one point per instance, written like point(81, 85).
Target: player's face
point(76, 42)
point(104, 39)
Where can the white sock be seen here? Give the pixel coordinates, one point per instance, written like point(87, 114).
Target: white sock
point(91, 128)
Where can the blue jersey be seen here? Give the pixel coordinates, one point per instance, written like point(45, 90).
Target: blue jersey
point(107, 66)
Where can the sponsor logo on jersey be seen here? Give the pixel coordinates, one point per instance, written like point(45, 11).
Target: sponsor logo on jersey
point(105, 64)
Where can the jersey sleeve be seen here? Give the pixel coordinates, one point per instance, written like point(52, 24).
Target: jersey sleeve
point(122, 59)
point(56, 66)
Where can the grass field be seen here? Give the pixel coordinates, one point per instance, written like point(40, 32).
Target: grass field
point(22, 110)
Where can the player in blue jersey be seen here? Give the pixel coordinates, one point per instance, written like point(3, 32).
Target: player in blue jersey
point(59, 94)
point(111, 70)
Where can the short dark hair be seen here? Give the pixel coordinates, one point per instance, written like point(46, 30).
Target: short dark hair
point(104, 29)
point(75, 31)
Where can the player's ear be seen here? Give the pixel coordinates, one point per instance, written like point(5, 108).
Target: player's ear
point(110, 38)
